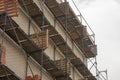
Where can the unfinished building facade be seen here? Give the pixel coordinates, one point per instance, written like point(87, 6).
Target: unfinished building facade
point(44, 40)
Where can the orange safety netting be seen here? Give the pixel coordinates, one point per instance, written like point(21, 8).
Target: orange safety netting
point(10, 7)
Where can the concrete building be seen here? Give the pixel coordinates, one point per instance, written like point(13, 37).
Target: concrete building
point(44, 40)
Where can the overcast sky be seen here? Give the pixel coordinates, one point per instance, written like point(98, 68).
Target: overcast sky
point(104, 18)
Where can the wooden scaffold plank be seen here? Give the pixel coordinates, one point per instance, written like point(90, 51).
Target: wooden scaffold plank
point(41, 39)
point(64, 64)
point(9, 7)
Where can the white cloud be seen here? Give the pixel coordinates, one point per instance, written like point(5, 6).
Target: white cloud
point(117, 1)
point(84, 1)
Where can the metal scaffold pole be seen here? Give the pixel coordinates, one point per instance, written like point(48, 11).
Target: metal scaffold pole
point(66, 35)
point(42, 28)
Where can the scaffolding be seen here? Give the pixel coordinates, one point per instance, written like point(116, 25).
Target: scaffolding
point(32, 49)
point(53, 34)
point(34, 44)
point(75, 29)
point(7, 8)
